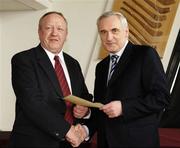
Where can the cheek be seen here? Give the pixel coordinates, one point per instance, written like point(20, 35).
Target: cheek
point(103, 39)
point(45, 34)
point(63, 37)
point(120, 42)
point(41, 36)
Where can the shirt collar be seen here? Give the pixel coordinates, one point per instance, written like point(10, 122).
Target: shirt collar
point(51, 55)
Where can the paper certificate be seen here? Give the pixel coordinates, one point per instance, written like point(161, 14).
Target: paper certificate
point(83, 102)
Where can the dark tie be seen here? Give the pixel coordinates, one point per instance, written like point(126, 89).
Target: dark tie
point(114, 59)
point(65, 88)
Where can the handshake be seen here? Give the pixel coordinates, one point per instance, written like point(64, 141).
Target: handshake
point(76, 135)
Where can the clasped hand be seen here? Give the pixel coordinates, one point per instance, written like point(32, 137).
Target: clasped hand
point(76, 135)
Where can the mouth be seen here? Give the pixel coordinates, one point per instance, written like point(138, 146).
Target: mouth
point(109, 44)
point(56, 40)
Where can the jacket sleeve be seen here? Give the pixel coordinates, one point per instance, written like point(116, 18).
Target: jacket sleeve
point(156, 95)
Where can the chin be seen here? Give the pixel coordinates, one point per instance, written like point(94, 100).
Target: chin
point(55, 50)
point(112, 50)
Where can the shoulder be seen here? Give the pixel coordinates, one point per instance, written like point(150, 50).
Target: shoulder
point(69, 57)
point(145, 51)
point(25, 55)
point(103, 63)
point(148, 55)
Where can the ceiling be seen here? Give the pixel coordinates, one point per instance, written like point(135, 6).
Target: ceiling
point(19, 5)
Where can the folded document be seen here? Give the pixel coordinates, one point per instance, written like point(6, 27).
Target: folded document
point(79, 101)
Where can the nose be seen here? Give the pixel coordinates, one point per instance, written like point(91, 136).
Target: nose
point(54, 31)
point(109, 36)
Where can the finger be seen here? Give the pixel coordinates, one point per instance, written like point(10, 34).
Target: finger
point(107, 109)
point(79, 107)
point(78, 115)
point(107, 106)
point(77, 127)
point(78, 110)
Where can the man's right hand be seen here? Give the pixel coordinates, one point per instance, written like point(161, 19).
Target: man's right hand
point(74, 137)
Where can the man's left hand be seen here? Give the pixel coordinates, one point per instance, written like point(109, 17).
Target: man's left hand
point(80, 111)
point(112, 109)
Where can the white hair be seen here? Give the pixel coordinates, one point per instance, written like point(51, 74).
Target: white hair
point(122, 18)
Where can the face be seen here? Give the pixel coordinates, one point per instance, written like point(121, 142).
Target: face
point(53, 32)
point(112, 34)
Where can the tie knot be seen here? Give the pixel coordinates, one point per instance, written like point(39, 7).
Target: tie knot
point(56, 58)
point(114, 58)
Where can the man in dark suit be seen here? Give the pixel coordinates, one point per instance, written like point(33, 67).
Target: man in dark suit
point(40, 107)
point(131, 84)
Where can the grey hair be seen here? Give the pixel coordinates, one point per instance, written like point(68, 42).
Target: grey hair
point(122, 18)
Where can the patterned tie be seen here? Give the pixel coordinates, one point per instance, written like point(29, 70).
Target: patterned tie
point(114, 59)
point(65, 88)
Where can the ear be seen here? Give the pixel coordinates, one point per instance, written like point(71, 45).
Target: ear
point(127, 32)
point(39, 31)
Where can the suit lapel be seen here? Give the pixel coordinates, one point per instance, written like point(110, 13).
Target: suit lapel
point(46, 65)
point(123, 62)
point(102, 69)
point(71, 67)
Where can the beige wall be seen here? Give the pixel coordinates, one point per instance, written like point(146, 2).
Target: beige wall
point(18, 31)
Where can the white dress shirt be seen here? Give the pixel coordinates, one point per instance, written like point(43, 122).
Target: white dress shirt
point(63, 64)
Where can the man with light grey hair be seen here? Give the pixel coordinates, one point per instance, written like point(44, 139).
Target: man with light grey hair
point(131, 84)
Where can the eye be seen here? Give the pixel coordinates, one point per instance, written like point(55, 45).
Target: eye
point(103, 31)
point(60, 29)
point(47, 27)
point(115, 30)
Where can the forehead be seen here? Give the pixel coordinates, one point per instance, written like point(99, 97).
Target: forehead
point(109, 22)
point(53, 18)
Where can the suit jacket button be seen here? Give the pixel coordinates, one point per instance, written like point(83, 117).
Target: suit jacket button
point(57, 134)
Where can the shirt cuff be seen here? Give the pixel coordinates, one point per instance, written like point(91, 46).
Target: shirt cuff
point(87, 131)
point(88, 114)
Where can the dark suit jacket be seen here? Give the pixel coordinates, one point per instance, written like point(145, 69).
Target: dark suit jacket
point(40, 107)
point(139, 83)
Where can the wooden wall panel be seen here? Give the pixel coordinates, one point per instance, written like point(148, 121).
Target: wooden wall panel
point(150, 21)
